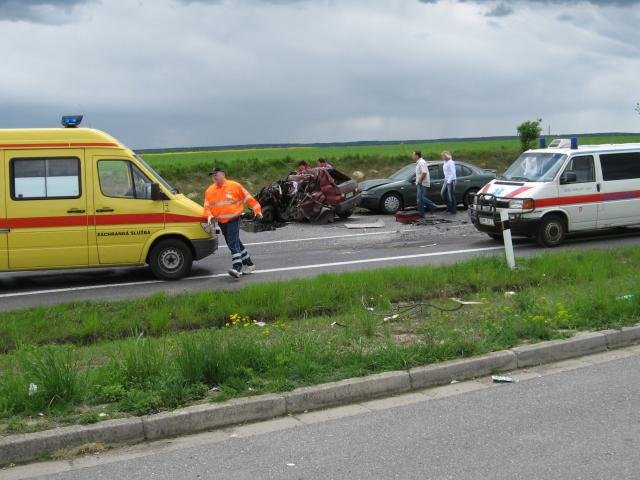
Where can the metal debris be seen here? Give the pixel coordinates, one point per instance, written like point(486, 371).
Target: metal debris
point(502, 379)
point(377, 224)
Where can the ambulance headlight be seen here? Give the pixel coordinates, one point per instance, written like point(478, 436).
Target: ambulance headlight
point(71, 121)
point(522, 204)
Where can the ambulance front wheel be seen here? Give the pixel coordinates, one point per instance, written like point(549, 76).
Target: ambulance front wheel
point(170, 259)
point(551, 231)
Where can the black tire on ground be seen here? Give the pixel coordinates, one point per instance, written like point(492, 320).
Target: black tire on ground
point(551, 231)
point(391, 203)
point(496, 236)
point(268, 214)
point(468, 196)
point(170, 259)
point(345, 213)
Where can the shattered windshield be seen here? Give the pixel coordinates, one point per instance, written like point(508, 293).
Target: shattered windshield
point(403, 173)
point(535, 167)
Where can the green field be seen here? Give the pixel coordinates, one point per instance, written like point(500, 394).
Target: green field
point(188, 171)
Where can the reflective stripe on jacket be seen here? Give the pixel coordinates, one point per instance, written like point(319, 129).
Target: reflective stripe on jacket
point(226, 202)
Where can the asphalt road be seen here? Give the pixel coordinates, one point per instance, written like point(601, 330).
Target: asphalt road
point(574, 420)
point(296, 250)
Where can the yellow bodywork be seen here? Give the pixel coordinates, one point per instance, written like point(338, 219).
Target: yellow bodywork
point(76, 197)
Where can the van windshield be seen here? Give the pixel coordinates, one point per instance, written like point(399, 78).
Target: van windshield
point(166, 184)
point(535, 167)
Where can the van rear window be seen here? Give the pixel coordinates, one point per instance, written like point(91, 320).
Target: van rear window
point(45, 178)
point(620, 166)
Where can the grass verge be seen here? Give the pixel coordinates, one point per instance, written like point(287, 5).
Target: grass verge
point(86, 362)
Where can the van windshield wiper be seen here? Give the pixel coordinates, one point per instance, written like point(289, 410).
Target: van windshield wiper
point(521, 179)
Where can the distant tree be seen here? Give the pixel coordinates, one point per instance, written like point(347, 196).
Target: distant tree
point(529, 132)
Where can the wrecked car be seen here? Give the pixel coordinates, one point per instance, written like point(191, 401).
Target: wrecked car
point(316, 195)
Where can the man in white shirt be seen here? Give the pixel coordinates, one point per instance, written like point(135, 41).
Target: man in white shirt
point(449, 186)
point(423, 182)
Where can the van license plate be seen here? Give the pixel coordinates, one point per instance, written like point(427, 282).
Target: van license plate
point(349, 195)
point(486, 221)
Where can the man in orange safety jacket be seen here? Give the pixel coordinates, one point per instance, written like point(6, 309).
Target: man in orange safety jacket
point(224, 202)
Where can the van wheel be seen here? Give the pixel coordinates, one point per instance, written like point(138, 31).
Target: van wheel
point(551, 231)
point(170, 259)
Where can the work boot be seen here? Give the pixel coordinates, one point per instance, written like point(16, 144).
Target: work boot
point(235, 273)
point(248, 269)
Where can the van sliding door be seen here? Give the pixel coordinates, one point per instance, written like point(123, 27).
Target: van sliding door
point(620, 189)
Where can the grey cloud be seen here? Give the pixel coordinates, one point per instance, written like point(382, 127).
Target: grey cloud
point(500, 10)
point(38, 11)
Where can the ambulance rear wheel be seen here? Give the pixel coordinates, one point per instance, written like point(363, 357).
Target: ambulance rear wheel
point(170, 259)
point(551, 231)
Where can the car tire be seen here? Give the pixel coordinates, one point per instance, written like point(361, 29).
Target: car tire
point(468, 196)
point(551, 231)
point(345, 213)
point(391, 203)
point(496, 236)
point(268, 214)
point(170, 259)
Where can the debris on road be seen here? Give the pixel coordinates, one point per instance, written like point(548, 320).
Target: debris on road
point(502, 379)
point(377, 224)
point(336, 324)
point(412, 309)
point(510, 293)
point(33, 389)
point(628, 296)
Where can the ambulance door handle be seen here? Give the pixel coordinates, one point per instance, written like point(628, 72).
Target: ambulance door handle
point(105, 209)
point(598, 186)
point(75, 210)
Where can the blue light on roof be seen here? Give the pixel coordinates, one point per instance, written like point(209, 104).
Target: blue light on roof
point(71, 121)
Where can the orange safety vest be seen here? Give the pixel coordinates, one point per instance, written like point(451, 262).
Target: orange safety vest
point(226, 201)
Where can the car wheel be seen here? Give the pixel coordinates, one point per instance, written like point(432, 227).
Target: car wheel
point(467, 199)
point(345, 213)
point(496, 236)
point(551, 231)
point(391, 203)
point(170, 259)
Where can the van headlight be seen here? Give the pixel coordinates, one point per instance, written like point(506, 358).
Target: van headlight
point(522, 204)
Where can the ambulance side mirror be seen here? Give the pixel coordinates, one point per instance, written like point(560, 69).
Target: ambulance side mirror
point(568, 177)
point(156, 193)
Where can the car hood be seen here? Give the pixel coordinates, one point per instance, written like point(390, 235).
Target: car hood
point(369, 184)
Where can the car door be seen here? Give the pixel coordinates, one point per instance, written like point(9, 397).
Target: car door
point(463, 180)
point(125, 216)
point(46, 209)
point(436, 173)
point(4, 225)
point(578, 192)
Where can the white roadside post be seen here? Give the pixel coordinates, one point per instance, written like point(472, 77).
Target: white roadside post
point(506, 236)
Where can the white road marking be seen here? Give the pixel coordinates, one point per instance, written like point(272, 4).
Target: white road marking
point(267, 270)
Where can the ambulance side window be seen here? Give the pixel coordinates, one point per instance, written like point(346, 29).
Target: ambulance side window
point(45, 178)
point(620, 166)
point(583, 167)
point(122, 179)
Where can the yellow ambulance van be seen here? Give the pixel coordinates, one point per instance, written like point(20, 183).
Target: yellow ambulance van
point(76, 197)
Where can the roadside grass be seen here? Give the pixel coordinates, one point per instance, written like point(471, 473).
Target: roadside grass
point(188, 171)
point(315, 330)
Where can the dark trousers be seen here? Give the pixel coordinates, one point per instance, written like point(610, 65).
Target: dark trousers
point(449, 196)
point(422, 199)
point(239, 254)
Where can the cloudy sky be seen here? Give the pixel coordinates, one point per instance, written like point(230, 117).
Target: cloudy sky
point(170, 73)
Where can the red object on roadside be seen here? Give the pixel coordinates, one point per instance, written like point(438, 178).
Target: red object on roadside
point(408, 216)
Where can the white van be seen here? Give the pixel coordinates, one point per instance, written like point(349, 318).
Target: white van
point(562, 189)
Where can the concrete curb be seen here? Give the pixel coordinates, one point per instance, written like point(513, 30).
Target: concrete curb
point(31, 446)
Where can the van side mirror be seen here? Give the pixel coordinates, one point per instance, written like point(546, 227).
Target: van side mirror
point(156, 193)
point(568, 177)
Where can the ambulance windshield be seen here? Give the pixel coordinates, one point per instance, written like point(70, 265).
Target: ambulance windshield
point(166, 184)
point(535, 167)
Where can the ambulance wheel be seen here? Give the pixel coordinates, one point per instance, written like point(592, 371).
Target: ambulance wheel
point(391, 203)
point(551, 231)
point(170, 259)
